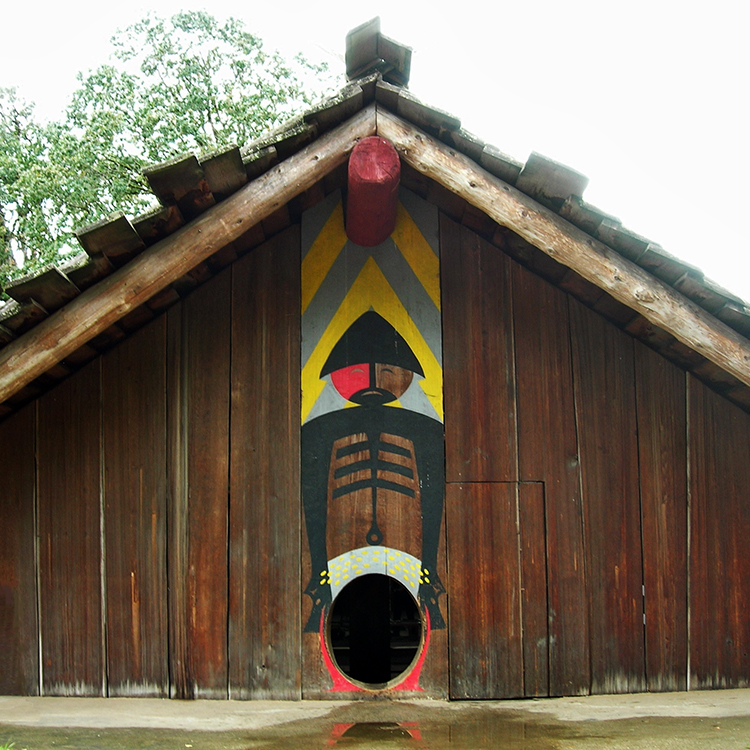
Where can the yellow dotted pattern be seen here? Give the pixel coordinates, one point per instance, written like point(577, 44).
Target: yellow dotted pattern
point(385, 560)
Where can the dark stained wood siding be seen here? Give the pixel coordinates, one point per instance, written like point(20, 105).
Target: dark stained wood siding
point(548, 452)
point(70, 536)
point(719, 534)
point(534, 600)
point(486, 656)
point(603, 367)
point(177, 508)
point(265, 629)
point(135, 496)
point(581, 466)
point(19, 632)
point(204, 503)
point(479, 378)
point(662, 434)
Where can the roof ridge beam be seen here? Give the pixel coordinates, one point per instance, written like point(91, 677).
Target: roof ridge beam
point(565, 243)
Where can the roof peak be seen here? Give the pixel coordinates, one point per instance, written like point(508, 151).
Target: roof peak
point(368, 51)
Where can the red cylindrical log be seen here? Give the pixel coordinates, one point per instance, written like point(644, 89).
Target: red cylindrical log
point(374, 174)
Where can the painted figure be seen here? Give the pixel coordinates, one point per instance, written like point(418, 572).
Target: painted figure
point(373, 475)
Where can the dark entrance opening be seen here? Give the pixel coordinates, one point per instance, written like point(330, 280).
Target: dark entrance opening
point(375, 630)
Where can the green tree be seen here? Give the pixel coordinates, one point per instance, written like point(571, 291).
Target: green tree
point(188, 83)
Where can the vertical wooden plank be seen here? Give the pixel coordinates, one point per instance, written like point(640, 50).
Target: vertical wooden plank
point(70, 536)
point(19, 630)
point(207, 320)
point(662, 446)
point(480, 416)
point(265, 627)
point(486, 659)
point(719, 437)
point(534, 589)
point(603, 366)
point(548, 452)
point(181, 685)
point(134, 440)
point(198, 376)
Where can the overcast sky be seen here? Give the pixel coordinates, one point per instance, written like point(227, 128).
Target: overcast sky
point(648, 98)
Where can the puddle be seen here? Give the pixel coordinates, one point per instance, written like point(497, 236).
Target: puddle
point(385, 725)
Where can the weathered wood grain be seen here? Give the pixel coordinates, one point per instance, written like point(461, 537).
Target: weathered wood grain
point(662, 449)
point(604, 376)
point(548, 452)
point(135, 497)
point(166, 261)
point(486, 657)
point(181, 686)
point(265, 630)
point(71, 622)
point(534, 603)
point(593, 260)
point(478, 369)
point(19, 630)
point(719, 460)
point(206, 360)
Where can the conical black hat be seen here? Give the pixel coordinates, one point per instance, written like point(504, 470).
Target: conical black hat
point(371, 338)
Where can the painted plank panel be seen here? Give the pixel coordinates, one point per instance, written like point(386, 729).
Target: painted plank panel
point(70, 537)
point(480, 413)
point(265, 627)
point(135, 494)
point(535, 607)
point(548, 452)
point(719, 533)
point(486, 658)
point(603, 367)
point(19, 631)
point(199, 349)
point(662, 446)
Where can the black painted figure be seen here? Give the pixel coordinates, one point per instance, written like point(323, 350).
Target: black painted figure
point(373, 474)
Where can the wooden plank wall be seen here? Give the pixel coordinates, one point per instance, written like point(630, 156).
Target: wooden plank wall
point(548, 452)
point(615, 442)
point(265, 628)
point(151, 502)
point(662, 437)
point(604, 385)
point(19, 629)
point(135, 492)
point(70, 540)
point(719, 477)
point(124, 472)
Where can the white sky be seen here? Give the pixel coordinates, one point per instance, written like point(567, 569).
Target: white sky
point(648, 99)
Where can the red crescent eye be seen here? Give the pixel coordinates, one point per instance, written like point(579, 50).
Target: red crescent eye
point(348, 380)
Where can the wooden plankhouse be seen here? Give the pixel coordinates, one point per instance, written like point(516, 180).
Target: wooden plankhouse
point(369, 407)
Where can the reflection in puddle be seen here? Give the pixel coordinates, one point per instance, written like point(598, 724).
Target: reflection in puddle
point(396, 726)
point(374, 731)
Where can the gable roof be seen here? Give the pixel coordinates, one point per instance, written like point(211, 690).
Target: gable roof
point(215, 208)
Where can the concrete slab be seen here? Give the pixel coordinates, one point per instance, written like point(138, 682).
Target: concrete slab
point(688, 721)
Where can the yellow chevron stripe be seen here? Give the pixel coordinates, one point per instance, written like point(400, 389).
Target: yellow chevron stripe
point(418, 253)
point(371, 290)
point(321, 256)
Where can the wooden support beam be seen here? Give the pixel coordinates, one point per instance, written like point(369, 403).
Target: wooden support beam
point(597, 263)
point(105, 303)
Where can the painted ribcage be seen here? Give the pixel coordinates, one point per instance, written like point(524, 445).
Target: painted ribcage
point(373, 484)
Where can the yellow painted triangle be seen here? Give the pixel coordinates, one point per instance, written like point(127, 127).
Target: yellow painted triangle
point(418, 253)
point(322, 255)
point(371, 291)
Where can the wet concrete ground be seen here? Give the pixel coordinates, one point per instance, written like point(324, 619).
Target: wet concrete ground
point(686, 721)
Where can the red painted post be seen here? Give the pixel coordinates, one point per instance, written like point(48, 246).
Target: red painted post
point(374, 174)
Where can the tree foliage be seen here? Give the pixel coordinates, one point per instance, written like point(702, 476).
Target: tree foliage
point(188, 83)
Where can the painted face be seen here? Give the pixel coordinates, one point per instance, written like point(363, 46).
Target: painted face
point(371, 383)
